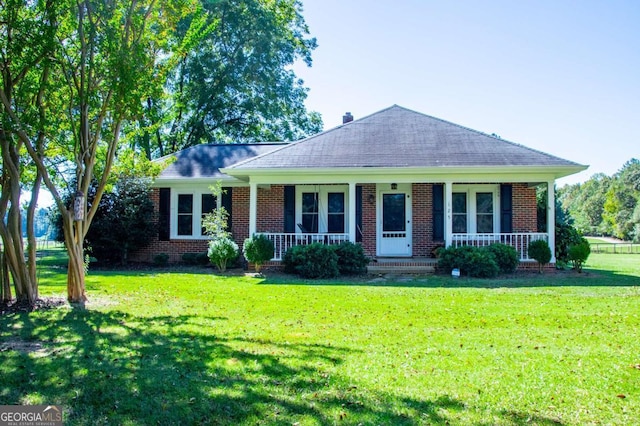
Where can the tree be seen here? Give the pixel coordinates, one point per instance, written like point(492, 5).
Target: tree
point(107, 57)
point(27, 44)
point(236, 85)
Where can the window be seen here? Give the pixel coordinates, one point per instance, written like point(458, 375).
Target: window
point(473, 209)
point(310, 211)
point(335, 219)
point(185, 214)
point(484, 212)
point(393, 213)
point(459, 212)
point(209, 203)
point(322, 208)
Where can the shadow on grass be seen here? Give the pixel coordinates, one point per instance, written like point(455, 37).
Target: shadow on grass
point(568, 278)
point(116, 368)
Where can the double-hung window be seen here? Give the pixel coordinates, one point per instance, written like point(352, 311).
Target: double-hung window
point(322, 208)
point(188, 209)
point(473, 209)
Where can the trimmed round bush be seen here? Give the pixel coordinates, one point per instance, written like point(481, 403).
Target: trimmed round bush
point(312, 261)
point(505, 256)
point(258, 250)
point(540, 251)
point(579, 253)
point(351, 258)
point(472, 261)
point(221, 251)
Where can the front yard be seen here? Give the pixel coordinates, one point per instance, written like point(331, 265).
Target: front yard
point(192, 347)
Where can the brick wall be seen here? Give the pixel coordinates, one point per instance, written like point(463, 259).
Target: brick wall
point(525, 216)
point(422, 231)
point(270, 209)
point(369, 228)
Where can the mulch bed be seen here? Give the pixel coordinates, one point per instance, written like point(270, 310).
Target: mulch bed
point(14, 307)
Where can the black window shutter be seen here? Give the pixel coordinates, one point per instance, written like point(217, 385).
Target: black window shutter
point(438, 212)
point(358, 214)
point(227, 196)
point(290, 208)
point(164, 214)
point(506, 208)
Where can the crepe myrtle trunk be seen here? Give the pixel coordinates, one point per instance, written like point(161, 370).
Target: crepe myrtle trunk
point(74, 223)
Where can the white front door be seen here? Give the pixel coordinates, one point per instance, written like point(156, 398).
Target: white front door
point(394, 222)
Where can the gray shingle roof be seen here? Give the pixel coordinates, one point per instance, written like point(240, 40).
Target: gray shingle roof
point(205, 161)
point(399, 137)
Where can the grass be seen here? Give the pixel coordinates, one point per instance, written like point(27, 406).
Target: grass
point(191, 347)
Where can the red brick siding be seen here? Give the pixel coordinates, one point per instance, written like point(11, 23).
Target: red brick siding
point(271, 209)
point(369, 227)
point(240, 211)
point(525, 216)
point(422, 230)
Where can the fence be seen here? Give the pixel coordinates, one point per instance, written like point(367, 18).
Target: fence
point(615, 248)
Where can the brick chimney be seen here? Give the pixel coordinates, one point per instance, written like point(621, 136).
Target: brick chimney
point(347, 118)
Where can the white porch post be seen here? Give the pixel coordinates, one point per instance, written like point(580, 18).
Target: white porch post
point(352, 212)
point(551, 218)
point(448, 220)
point(253, 208)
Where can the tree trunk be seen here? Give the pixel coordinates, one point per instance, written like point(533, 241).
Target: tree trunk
point(74, 241)
point(5, 285)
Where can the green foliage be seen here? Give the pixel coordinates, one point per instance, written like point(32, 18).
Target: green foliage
point(566, 236)
point(471, 261)
point(161, 259)
point(215, 222)
point(351, 258)
point(312, 261)
point(258, 250)
point(606, 205)
point(579, 253)
point(506, 257)
point(222, 251)
point(540, 251)
point(235, 84)
point(195, 258)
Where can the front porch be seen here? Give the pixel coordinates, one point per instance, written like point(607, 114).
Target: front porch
point(520, 241)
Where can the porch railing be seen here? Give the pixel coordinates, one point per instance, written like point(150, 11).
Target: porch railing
point(519, 241)
point(284, 241)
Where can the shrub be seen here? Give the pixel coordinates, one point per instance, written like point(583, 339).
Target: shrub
point(258, 250)
point(161, 259)
point(292, 258)
point(472, 261)
point(351, 258)
point(540, 251)
point(195, 258)
point(506, 257)
point(579, 253)
point(312, 261)
point(221, 251)
point(566, 236)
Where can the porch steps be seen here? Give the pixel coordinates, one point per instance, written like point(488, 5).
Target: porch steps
point(400, 265)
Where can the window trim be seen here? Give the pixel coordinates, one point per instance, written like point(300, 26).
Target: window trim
point(323, 204)
point(196, 224)
point(472, 191)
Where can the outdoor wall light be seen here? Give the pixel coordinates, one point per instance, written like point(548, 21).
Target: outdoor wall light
point(394, 186)
point(371, 198)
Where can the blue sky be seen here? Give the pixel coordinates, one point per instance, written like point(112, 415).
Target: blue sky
point(558, 76)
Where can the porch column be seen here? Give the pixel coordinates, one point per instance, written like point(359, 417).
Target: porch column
point(448, 221)
point(551, 218)
point(352, 212)
point(253, 208)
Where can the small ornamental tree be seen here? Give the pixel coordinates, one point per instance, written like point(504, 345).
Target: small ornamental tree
point(579, 253)
point(222, 248)
point(258, 250)
point(540, 251)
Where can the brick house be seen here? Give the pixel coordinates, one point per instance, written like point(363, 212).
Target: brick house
point(399, 182)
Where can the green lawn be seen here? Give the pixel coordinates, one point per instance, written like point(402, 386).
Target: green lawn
point(192, 347)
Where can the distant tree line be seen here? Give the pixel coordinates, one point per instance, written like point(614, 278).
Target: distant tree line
point(606, 205)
